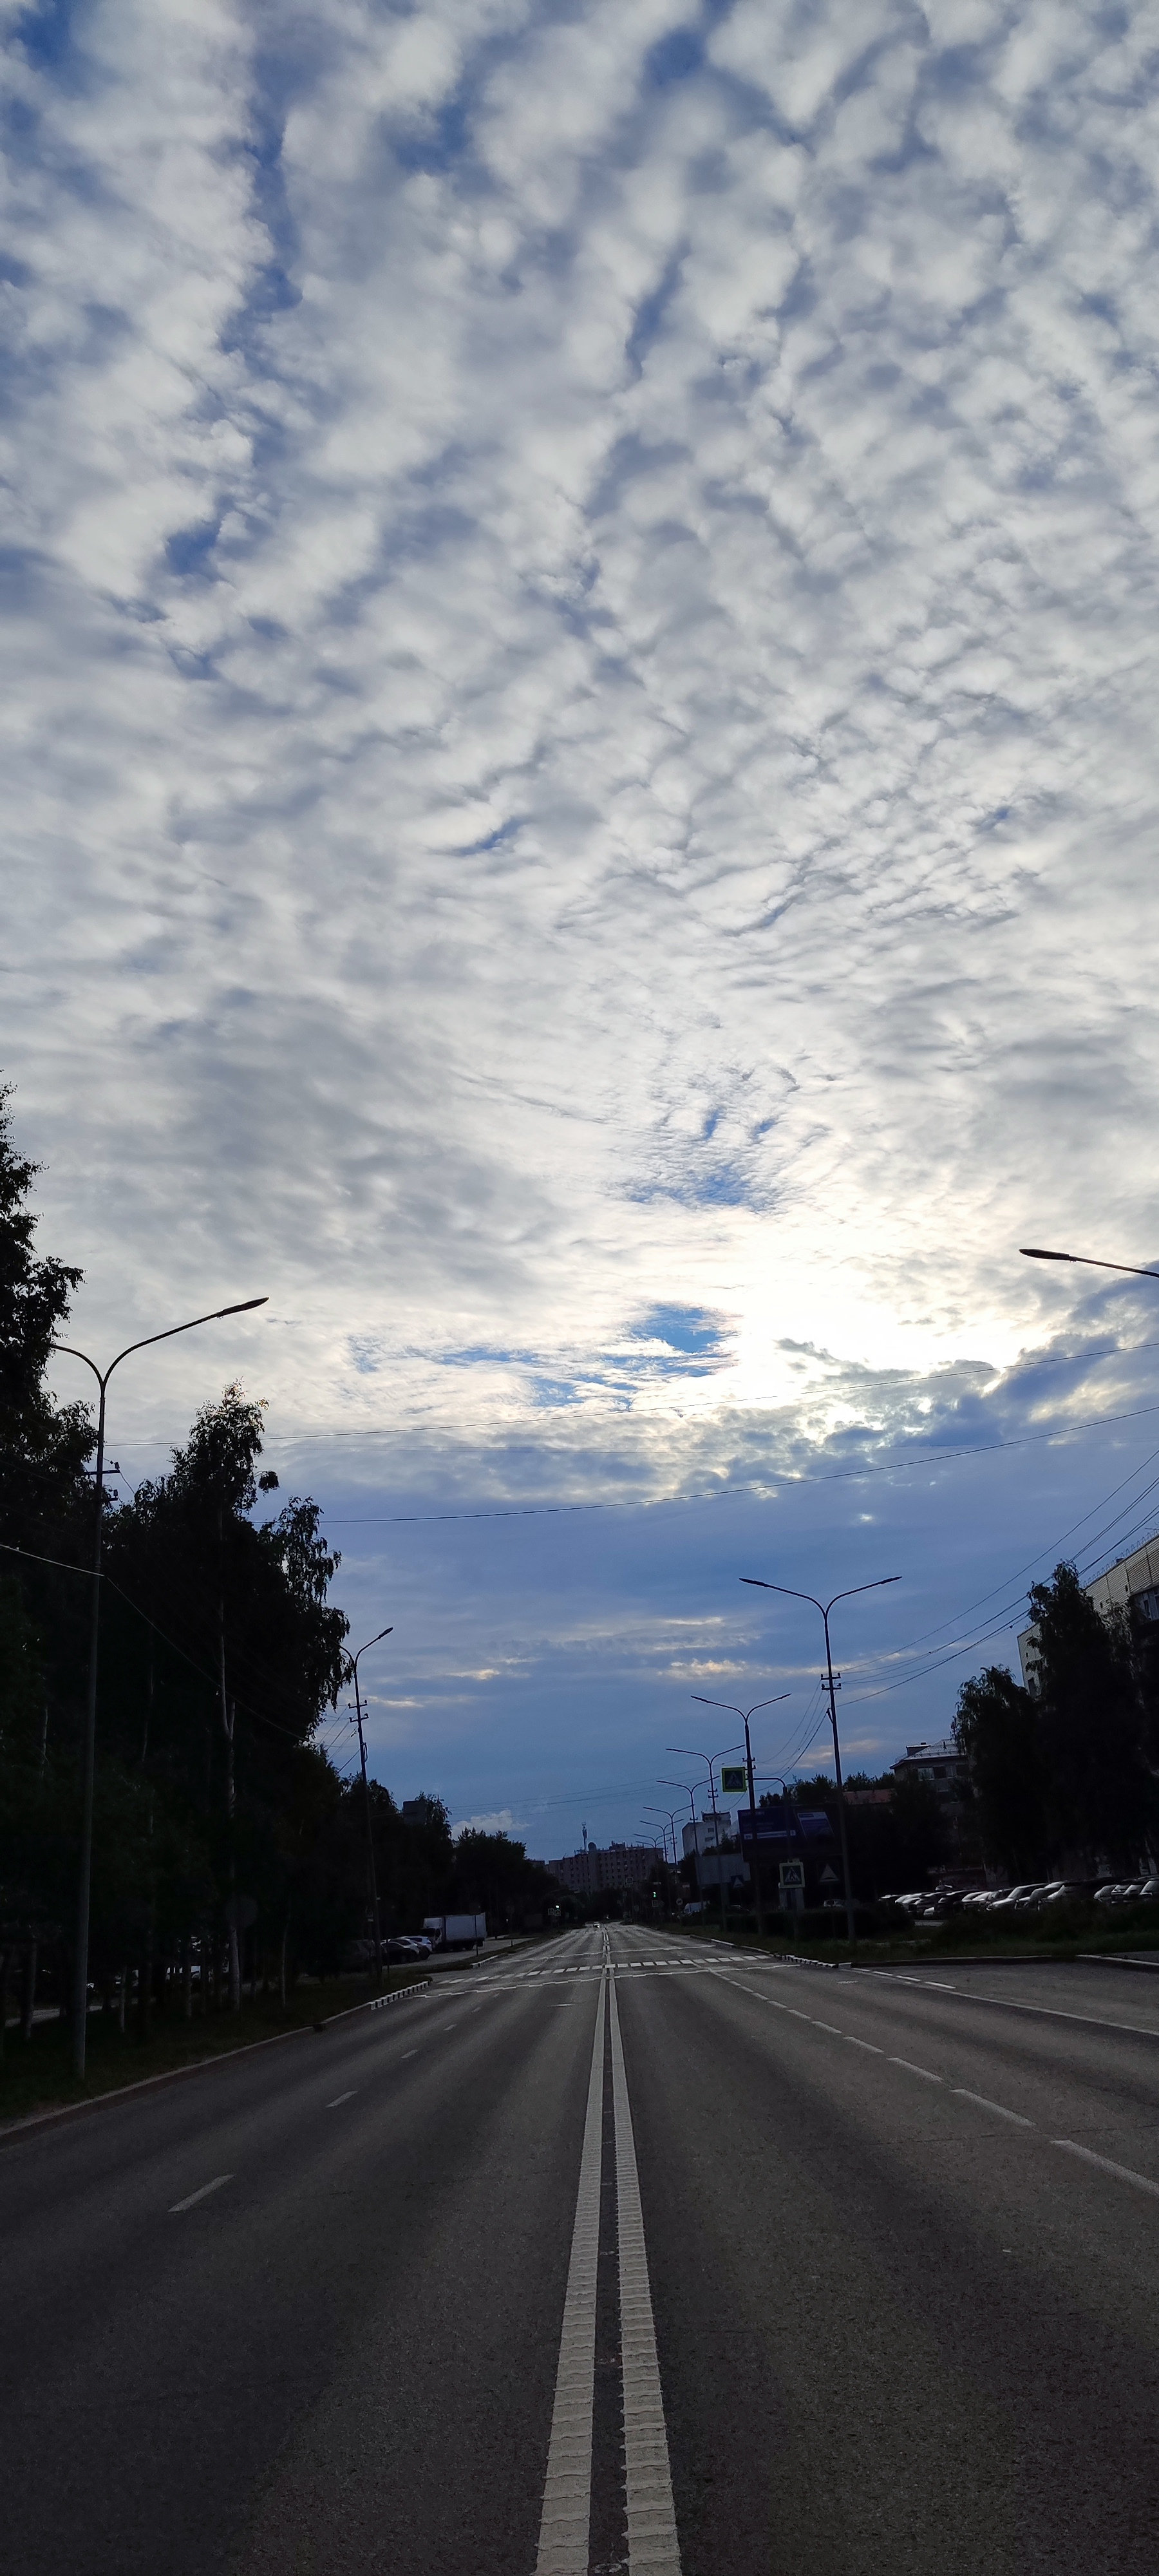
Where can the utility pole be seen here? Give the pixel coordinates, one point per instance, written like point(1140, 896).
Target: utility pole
point(89, 1759)
point(372, 1872)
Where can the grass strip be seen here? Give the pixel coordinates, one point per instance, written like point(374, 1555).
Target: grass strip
point(37, 2075)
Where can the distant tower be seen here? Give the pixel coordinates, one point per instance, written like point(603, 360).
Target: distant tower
point(584, 1831)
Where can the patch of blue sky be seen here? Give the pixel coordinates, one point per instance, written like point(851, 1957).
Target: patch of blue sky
point(486, 1353)
point(46, 32)
point(188, 550)
point(695, 1330)
point(725, 1184)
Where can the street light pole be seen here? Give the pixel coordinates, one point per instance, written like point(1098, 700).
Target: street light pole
point(352, 1660)
point(825, 1607)
point(1088, 1261)
point(670, 1814)
point(683, 1784)
point(89, 1771)
point(709, 1760)
point(745, 1714)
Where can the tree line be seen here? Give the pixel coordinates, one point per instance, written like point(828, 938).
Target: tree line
point(1064, 1776)
point(226, 1843)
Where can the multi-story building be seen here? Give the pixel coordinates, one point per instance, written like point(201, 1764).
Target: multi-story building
point(942, 1764)
point(1131, 1584)
point(593, 1872)
point(709, 1833)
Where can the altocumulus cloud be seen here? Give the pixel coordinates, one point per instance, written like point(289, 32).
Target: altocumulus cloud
point(579, 709)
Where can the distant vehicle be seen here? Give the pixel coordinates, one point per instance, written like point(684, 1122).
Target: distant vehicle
point(456, 1931)
point(404, 1950)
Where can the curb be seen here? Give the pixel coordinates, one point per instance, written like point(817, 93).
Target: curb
point(377, 2003)
point(1121, 1959)
point(13, 2130)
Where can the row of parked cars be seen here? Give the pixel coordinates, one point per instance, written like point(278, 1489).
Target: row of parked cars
point(1033, 1897)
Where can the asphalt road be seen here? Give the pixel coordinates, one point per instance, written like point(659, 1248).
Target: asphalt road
point(624, 2254)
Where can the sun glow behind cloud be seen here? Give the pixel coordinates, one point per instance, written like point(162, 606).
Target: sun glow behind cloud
point(579, 714)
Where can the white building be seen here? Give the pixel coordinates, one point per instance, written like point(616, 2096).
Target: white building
point(1132, 1583)
point(594, 1872)
point(709, 1833)
point(941, 1764)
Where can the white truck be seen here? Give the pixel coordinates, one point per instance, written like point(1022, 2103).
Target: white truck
point(456, 1931)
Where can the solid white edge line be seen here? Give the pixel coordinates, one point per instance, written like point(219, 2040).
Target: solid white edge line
point(984, 2105)
point(651, 2514)
point(565, 2515)
point(1142, 2182)
point(203, 2194)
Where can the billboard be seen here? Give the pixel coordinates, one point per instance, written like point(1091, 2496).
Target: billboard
point(783, 1827)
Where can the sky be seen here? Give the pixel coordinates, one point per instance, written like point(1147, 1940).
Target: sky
point(580, 588)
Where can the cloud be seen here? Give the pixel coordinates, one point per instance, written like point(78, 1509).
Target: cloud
point(578, 715)
point(500, 1821)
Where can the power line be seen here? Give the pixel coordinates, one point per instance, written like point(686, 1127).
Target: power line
point(785, 1479)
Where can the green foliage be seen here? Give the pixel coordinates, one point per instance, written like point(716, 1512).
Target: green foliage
point(998, 1727)
point(493, 1875)
point(1060, 1775)
point(220, 1650)
point(1096, 1778)
point(43, 1446)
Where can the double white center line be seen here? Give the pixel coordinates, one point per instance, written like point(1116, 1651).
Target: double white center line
point(565, 2522)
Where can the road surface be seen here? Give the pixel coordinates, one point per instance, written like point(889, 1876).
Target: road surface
point(623, 2254)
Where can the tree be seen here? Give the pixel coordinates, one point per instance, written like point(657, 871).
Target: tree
point(1099, 1791)
point(998, 1728)
point(43, 1445)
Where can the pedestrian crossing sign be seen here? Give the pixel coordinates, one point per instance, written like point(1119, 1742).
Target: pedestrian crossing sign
point(733, 1781)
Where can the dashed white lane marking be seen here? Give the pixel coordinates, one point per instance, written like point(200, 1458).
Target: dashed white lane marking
point(203, 2194)
point(830, 2026)
point(409, 2052)
point(911, 2069)
point(339, 2098)
point(652, 2541)
point(565, 2518)
point(1006, 2003)
point(1142, 2182)
point(867, 2044)
point(999, 2107)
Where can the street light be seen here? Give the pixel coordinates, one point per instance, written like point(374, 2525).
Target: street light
point(352, 1661)
point(1031, 1252)
point(671, 1815)
point(825, 1607)
point(746, 1713)
point(709, 1759)
point(84, 1891)
point(683, 1784)
point(669, 1812)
